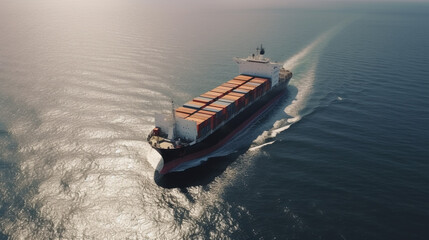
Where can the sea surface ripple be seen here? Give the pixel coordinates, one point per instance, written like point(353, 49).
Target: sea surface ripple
point(342, 156)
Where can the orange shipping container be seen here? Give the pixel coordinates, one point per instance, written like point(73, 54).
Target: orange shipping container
point(254, 83)
point(251, 88)
point(207, 95)
point(236, 81)
point(219, 111)
point(222, 89)
point(185, 110)
point(215, 94)
point(181, 115)
point(207, 112)
point(193, 104)
point(257, 82)
point(260, 79)
point(235, 100)
point(211, 114)
point(203, 100)
point(229, 97)
point(196, 120)
point(201, 116)
point(214, 107)
point(218, 106)
point(243, 77)
point(200, 122)
point(236, 94)
point(226, 88)
point(251, 85)
point(230, 85)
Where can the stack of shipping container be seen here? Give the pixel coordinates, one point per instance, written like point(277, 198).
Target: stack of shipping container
point(214, 107)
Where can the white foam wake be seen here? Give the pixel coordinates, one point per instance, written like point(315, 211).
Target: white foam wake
point(312, 49)
point(303, 65)
point(259, 146)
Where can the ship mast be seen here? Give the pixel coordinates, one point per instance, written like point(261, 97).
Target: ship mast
point(172, 132)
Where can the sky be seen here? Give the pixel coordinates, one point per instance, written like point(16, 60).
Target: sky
point(192, 5)
point(269, 3)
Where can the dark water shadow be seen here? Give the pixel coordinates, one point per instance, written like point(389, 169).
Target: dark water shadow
point(3, 236)
point(200, 175)
point(11, 197)
point(206, 173)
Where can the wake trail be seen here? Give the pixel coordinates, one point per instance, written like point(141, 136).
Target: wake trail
point(303, 65)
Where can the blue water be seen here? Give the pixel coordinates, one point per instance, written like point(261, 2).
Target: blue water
point(343, 156)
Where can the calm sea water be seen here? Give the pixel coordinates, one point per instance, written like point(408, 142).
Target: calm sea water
point(343, 156)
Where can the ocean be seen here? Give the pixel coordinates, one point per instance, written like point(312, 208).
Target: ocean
point(344, 155)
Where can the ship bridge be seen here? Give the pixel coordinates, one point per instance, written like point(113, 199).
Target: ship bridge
point(258, 65)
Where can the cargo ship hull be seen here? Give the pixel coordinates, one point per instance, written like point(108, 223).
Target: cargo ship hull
point(174, 158)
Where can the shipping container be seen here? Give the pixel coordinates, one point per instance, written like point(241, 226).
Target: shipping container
point(203, 100)
point(225, 100)
point(229, 97)
point(253, 83)
point(194, 105)
point(236, 81)
point(265, 82)
point(219, 111)
point(248, 86)
point(260, 79)
point(212, 94)
point(181, 115)
point(252, 89)
point(201, 115)
point(203, 126)
point(247, 94)
point(233, 93)
point(207, 95)
point(230, 85)
point(207, 112)
point(242, 90)
point(216, 104)
point(214, 109)
point(228, 104)
point(259, 90)
point(221, 89)
point(204, 116)
point(185, 110)
point(224, 111)
point(243, 77)
point(238, 101)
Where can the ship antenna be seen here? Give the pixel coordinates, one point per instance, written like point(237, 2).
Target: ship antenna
point(262, 50)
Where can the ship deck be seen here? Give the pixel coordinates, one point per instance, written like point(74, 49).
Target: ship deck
point(160, 142)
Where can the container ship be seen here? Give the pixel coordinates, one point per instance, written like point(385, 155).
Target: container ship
point(207, 122)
